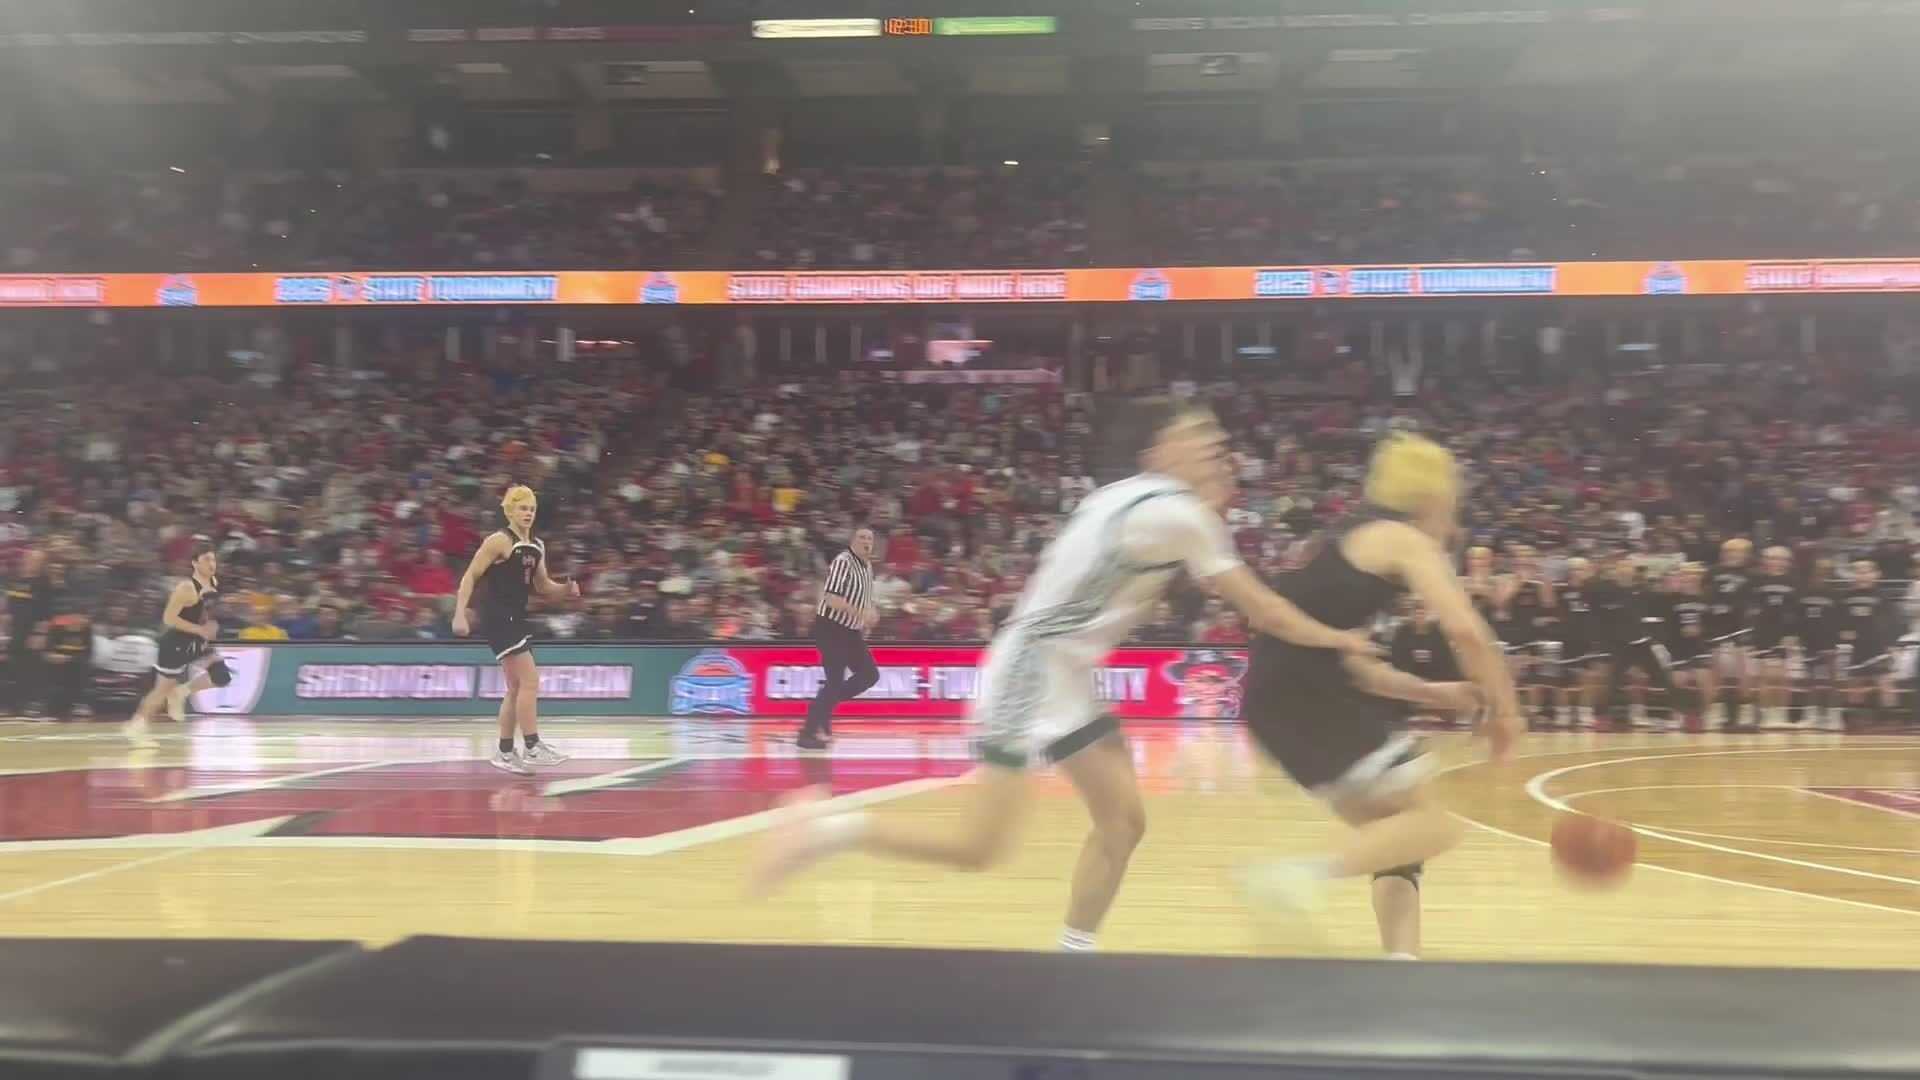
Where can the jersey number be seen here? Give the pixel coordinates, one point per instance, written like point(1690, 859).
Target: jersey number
point(527, 565)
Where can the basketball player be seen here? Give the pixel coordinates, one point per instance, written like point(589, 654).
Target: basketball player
point(1420, 647)
point(1775, 605)
point(1729, 625)
point(1334, 724)
point(1531, 619)
point(509, 566)
point(1626, 620)
point(1099, 578)
point(1869, 627)
point(1816, 636)
point(1689, 654)
point(1580, 667)
point(185, 641)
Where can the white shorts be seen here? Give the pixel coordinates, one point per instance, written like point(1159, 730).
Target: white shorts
point(1036, 705)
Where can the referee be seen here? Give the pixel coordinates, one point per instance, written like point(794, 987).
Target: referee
point(844, 615)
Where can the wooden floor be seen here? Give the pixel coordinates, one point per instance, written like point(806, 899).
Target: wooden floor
point(1755, 850)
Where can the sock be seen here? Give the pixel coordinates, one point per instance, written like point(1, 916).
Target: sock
point(1401, 956)
point(506, 745)
point(533, 739)
point(1072, 940)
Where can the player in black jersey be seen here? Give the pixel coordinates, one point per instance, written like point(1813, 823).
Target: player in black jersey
point(1628, 630)
point(1729, 624)
point(1334, 724)
point(1531, 618)
point(1869, 627)
point(1816, 633)
point(185, 642)
point(1483, 588)
point(507, 569)
point(1420, 649)
point(1689, 654)
point(1776, 608)
point(1579, 669)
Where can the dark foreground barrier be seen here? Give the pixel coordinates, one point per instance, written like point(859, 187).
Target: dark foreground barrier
point(478, 1009)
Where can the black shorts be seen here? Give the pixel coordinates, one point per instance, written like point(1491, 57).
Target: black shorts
point(1688, 653)
point(179, 652)
point(1330, 737)
point(507, 635)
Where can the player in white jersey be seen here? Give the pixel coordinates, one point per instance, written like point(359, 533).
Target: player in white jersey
point(1099, 579)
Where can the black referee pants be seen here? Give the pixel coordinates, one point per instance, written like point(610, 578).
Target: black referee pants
point(850, 672)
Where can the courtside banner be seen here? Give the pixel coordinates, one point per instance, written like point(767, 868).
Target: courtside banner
point(940, 681)
point(702, 681)
point(1725, 277)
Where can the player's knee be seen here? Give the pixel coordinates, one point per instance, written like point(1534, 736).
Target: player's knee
point(1124, 829)
point(219, 674)
point(1409, 873)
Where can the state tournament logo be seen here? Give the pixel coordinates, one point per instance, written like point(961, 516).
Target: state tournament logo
point(1207, 683)
point(1150, 285)
point(660, 288)
point(1666, 279)
point(346, 289)
point(1329, 282)
point(178, 290)
point(713, 683)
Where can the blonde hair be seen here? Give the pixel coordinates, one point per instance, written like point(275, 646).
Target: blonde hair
point(1408, 472)
point(518, 493)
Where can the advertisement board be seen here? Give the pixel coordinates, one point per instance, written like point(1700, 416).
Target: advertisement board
point(717, 681)
point(1723, 277)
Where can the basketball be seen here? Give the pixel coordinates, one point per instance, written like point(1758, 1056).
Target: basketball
point(1591, 852)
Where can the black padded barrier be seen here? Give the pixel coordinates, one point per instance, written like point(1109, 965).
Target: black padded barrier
point(77, 1007)
point(479, 1009)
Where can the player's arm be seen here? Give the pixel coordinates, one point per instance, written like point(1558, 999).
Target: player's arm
point(1272, 614)
point(179, 600)
point(550, 587)
point(490, 552)
point(1421, 564)
point(1383, 680)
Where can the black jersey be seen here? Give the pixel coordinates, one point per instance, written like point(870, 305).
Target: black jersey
point(1817, 619)
point(1576, 613)
point(1424, 651)
point(1620, 614)
point(506, 585)
point(1533, 618)
point(1334, 591)
point(1729, 595)
point(1685, 629)
point(29, 603)
point(1867, 622)
point(1776, 609)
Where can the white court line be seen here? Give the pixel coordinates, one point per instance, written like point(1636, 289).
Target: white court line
point(269, 783)
point(221, 836)
point(1754, 885)
point(1571, 796)
point(1537, 790)
point(612, 779)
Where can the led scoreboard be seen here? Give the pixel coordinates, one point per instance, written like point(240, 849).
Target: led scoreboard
point(908, 27)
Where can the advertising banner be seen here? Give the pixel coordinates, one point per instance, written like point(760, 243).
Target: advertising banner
point(1723, 277)
point(938, 681)
point(719, 682)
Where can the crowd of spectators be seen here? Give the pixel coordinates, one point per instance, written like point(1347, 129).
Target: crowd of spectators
point(1036, 214)
point(1615, 208)
point(883, 219)
point(186, 222)
point(345, 504)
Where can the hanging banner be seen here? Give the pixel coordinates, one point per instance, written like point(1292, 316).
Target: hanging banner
point(1723, 277)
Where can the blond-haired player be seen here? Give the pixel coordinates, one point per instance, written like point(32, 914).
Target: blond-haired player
point(511, 565)
point(1098, 579)
point(1335, 724)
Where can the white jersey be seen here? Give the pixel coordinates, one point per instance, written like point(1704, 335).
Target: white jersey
point(1100, 578)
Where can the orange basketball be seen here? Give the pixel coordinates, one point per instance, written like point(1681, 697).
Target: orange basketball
point(1591, 852)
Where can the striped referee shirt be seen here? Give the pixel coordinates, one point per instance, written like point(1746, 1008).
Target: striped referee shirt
point(850, 578)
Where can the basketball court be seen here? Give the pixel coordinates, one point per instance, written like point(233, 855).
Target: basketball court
point(1798, 850)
